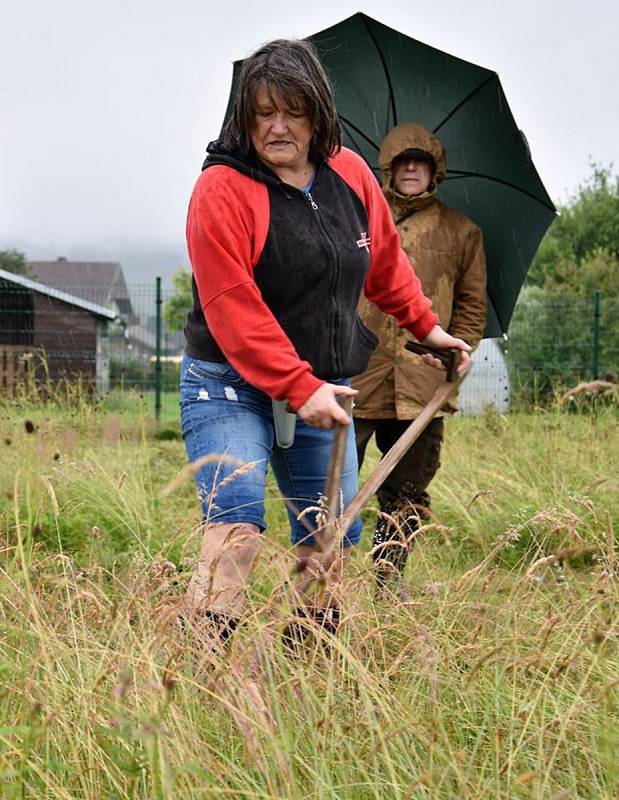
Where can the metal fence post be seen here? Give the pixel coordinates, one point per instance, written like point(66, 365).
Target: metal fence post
point(158, 303)
point(595, 367)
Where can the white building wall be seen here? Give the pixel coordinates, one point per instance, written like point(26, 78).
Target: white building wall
point(103, 358)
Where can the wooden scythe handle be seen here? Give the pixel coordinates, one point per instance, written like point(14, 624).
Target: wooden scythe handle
point(384, 468)
point(449, 358)
point(325, 536)
point(338, 449)
point(331, 535)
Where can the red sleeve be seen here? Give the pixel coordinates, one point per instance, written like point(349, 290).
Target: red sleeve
point(227, 226)
point(391, 283)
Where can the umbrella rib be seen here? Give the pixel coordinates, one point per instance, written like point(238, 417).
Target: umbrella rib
point(496, 313)
point(359, 151)
point(360, 132)
point(382, 60)
point(465, 100)
point(454, 174)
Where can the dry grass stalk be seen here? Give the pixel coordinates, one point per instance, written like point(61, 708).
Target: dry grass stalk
point(238, 472)
point(504, 540)
point(527, 777)
point(560, 555)
point(477, 495)
point(483, 660)
point(548, 628)
point(610, 544)
point(607, 690)
point(52, 495)
point(190, 470)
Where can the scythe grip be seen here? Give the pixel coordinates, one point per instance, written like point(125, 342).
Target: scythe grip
point(450, 358)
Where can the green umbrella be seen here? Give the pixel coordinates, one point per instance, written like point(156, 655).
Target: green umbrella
point(382, 77)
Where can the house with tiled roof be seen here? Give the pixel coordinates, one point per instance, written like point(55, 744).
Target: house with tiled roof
point(103, 283)
point(100, 282)
point(47, 334)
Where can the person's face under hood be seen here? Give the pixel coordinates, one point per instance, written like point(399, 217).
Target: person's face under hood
point(411, 176)
point(406, 137)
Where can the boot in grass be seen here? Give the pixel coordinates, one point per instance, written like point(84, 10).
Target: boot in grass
point(393, 539)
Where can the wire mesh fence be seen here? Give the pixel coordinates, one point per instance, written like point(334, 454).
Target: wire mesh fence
point(556, 342)
point(110, 343)
point(120, 345)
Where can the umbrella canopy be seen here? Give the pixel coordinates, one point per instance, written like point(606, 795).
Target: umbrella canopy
point(381, 77)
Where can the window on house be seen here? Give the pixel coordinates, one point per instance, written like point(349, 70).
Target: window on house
point(16, 314)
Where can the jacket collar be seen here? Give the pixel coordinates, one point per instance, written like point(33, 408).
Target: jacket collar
point(250, 165)
point(402, 204)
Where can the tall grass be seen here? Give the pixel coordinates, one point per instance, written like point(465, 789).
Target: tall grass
point(499, 679)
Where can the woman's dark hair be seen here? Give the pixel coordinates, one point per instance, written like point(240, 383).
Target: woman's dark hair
point(290, 68)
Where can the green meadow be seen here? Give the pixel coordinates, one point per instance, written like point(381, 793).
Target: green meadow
point(499, 679)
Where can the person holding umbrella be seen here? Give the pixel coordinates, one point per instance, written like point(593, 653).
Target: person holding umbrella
point(285, 230)
point(446, 251)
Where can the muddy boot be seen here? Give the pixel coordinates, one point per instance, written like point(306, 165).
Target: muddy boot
point(393, 539)
point(390, 551)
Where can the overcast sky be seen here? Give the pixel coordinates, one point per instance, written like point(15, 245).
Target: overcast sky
point(107, 106)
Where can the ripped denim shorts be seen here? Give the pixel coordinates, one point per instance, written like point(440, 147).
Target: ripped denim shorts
point(225, 417)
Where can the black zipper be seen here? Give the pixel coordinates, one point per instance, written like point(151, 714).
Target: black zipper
point(334, 282)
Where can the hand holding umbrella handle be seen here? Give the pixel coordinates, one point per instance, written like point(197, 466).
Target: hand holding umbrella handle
point(449, 358)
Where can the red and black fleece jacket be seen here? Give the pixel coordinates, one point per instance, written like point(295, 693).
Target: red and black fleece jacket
point(277, 273)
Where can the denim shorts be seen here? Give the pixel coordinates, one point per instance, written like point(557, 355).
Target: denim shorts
point(224, 417)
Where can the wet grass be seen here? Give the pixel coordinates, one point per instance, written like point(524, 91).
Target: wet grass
point(498, 680)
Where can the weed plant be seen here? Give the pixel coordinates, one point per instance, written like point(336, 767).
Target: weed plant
point(498, 680)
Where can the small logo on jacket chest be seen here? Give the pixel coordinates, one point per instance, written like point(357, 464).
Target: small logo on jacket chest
point(364, 241)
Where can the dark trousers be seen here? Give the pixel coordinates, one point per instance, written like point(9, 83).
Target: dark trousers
point(403, 495)
point(418, 466)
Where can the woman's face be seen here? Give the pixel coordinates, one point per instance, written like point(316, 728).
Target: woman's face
point(411, 176)
point(281, 135)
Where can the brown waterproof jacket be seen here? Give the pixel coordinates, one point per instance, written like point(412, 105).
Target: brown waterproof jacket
point(447, 252)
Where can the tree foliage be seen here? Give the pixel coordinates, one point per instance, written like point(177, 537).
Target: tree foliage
point(551, 335)
point(580, 252)
point(180, 301)
point(14, 261)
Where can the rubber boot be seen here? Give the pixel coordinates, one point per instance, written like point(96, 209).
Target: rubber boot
point(393, 539)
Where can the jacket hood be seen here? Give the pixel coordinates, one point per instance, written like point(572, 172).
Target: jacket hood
point(250, 165)
point(409, 136)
